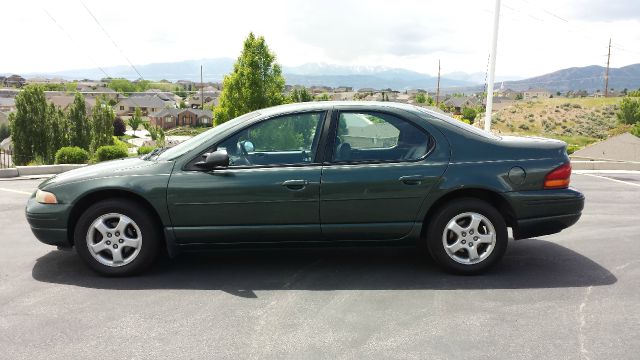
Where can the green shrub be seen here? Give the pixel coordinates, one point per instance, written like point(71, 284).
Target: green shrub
point(123, 144)
point(111, 152)
point(71, 155)
point(571, 148)
point(145, 150)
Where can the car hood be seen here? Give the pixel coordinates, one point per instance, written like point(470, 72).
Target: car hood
point(113, 168)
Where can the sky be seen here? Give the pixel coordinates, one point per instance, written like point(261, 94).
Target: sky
point(535, 36)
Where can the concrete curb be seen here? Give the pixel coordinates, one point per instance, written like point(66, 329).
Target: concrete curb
point(20, 171)
point(604, 165)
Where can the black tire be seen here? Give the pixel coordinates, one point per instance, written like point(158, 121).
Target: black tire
point(435, 233)
point(151, 239)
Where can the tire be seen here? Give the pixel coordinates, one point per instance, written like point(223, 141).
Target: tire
point(117, 226)
point(478, 241)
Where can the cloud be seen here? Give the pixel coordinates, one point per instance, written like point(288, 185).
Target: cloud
point(599, 10)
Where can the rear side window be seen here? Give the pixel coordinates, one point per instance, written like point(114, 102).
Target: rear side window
point(378, 137)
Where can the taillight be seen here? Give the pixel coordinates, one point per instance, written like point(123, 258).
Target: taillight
point(558, 178)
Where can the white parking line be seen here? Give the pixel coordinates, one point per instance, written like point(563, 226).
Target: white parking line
point(16, 191)
point(616, 180)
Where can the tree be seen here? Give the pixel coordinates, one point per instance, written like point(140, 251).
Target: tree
point(136, 120)
point(156, 133)
point(469, 114)
point(102, 124)
point(519, 96)
point(255, 83)
point(58, 134)
point(80, 135)
point(119, 127)
point(629, 110)
point(420, 98)
point(5, 132)
point(26, 125)
point(298, 95)
point(323, 97)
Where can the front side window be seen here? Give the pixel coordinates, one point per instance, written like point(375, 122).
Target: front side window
point(285, 140)
point(378, 137)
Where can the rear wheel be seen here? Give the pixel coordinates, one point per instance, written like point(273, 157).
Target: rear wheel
point(117, 238)
point(467, 236)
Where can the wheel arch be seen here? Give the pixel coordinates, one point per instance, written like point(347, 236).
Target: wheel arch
point(93, 197)
point(494, 198)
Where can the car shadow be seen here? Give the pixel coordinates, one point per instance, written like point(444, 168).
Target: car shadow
point(527, 264)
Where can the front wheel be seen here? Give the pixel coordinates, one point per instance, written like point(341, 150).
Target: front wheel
point(117, 237)
point(467, 236)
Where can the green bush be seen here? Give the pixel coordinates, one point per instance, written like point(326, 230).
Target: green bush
point(145, 150)
point(111, 152)
point(71, 155)
point(571, 148)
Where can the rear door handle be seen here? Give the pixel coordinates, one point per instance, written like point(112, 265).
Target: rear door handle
point(412, 179)
point(295, 184)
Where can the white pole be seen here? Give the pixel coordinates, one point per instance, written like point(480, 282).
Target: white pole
point(492, 68)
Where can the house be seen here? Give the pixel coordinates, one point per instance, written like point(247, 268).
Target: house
point(460, 102)
point(64, 101)
point(7, 104)
point(536, 94)
point(341, 89)
point(147, 104)
point(320, 89)
point(4, 118)
point(15, 81)
point(366, 90)
point(170, 118)
point(506, 93)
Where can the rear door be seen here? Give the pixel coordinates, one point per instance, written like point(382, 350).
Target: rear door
point(377, 174)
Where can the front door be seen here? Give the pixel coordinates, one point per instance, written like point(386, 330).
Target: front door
point(379, 174)
point(269, 192)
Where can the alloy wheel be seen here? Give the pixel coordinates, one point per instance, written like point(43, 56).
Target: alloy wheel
point(469, 238)
point(114, 239)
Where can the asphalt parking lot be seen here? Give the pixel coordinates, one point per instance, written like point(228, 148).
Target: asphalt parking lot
point(573, 295)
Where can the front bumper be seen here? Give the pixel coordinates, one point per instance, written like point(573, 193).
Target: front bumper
point(48, 222)
point(545, 212)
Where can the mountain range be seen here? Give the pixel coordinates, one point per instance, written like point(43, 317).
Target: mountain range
point(588, 78)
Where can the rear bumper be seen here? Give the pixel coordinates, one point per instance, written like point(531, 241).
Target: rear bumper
point(528, 228)
point(48, 223)
point(545, 212)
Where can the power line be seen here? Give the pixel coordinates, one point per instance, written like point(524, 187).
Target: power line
point(112, 41)
point(74, 42)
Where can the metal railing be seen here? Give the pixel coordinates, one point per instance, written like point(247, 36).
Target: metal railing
point(5, 159)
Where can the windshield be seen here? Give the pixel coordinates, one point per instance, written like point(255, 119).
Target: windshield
point(194, 142)
point(459, 124)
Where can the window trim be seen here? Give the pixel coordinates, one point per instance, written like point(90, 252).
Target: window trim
point(323, 122)
point(332, 134)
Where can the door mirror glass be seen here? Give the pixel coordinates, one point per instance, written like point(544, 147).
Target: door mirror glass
point(247, 146)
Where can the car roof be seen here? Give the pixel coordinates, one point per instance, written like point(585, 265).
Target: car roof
point(325, 105)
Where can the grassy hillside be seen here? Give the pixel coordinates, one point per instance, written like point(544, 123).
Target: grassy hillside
point(578, 121)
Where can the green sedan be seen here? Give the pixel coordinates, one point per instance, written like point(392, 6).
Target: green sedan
point(328, 173)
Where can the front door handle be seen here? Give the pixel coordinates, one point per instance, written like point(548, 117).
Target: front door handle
point(412, 179)
point(295, 184)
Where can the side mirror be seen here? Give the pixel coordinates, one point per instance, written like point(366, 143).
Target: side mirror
point(216, 159)
point(247, 146)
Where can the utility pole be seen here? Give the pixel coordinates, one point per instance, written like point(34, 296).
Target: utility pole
point(492, 68)
point(438, 88)
point(201, 90)
point(606, 73)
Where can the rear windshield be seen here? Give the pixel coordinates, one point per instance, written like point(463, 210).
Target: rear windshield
point(459, 124)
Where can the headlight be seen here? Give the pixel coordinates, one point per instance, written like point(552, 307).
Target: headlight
point(45, 197)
